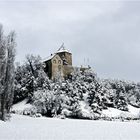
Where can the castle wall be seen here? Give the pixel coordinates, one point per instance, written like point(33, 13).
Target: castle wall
point(67, 70)
point(67, 56)
point(57, 68)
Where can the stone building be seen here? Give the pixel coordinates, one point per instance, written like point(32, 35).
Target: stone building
point(59, 64)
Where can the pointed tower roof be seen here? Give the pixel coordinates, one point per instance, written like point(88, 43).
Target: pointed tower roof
point(62, 49)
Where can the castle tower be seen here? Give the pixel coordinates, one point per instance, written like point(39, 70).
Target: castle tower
point(65, 55)
point(59, 64)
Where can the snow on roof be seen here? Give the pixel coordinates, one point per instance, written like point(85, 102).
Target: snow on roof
point(49, 58)
point(62, 49)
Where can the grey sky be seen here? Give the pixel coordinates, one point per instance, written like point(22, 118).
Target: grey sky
point(107, 33)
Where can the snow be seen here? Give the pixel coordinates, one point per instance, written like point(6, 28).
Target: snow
point(133, 110)
point(62, 49)
point(112, 112)
point(21, 106)
point(48, 58)
point(86, 111)
point(27, 128)
point(84, 107)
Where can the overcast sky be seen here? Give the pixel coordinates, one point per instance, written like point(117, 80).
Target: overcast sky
point(103, 34)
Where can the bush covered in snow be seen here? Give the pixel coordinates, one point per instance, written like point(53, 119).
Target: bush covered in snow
point(123, 93)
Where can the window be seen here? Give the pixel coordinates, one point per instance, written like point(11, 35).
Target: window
point(54, 61)
point(59, 61)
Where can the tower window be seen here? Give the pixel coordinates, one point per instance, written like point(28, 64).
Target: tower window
point(59, 61)
point(54, 61)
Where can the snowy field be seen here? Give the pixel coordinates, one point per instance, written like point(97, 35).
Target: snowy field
point(27, 128)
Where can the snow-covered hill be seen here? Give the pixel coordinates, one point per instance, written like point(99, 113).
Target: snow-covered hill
point(132, 112)
point(21, 105)
point(84, 95)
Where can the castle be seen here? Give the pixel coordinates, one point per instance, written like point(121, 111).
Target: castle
point(59, 64)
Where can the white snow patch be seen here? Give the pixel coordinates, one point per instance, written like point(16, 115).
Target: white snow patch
point(86, 111)
point(113, 112)
point(62, 49)
point(21, 106)
point(27, 128)
point(133, 110)
point(48, 58)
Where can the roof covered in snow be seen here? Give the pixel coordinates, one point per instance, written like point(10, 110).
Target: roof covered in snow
point(49, 57)
point(62, 49)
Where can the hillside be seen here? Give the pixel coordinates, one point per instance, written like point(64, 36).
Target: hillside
point(112, 113)
point(82, 96)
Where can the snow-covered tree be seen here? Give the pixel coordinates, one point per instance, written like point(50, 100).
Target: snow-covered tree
point(7, 56)
point(29, 77)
